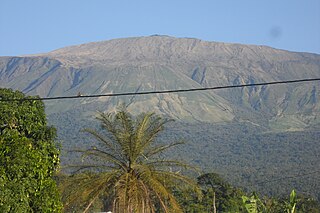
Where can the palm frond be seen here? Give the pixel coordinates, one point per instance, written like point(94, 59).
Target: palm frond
point(86, 186)
point(159, 149)
point(90, 167)
point(171, 163)
point(104, 156)
point(104, 139)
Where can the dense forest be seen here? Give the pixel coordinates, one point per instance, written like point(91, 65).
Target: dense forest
point(246, 155)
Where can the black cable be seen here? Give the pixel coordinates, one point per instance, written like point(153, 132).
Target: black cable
point(179, 91)
point(162, 92)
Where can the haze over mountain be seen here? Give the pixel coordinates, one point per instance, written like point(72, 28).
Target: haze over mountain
point(164, 63)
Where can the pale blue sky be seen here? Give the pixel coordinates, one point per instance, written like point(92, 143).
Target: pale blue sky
point(35, 26)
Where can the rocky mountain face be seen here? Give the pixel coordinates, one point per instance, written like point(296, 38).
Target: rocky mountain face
point(165, 63)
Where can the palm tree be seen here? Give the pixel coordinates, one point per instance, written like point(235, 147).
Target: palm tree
point(126, 166)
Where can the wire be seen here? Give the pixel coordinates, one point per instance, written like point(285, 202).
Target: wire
point(161, 92)
point(179, 91)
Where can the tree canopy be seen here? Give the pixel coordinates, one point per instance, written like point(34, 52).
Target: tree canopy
point(29, 156)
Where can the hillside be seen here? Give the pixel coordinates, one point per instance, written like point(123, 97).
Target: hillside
point(164, 63)
point(248, 134)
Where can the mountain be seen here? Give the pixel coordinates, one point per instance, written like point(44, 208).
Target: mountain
point(165, 63)
point(249, 134)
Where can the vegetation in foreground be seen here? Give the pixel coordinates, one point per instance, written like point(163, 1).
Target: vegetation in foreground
point(122, 144)
point(28, 157)
point(126, 167)
point(243, 154)
point(127, 171)
point(217, 195)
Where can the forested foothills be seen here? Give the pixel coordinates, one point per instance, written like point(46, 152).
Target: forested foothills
point(245, 155)
point(145, 163)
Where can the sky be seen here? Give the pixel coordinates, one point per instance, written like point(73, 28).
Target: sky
point(37, 26)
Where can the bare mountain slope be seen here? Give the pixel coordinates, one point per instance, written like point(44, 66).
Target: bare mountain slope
point(163, 63)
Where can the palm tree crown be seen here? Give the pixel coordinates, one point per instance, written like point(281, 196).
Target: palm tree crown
point(130, 170)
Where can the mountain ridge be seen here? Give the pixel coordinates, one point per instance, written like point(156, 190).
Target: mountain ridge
point(165, 63)
point(165, 46)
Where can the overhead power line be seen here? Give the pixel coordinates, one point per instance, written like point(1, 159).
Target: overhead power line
point(162, 91)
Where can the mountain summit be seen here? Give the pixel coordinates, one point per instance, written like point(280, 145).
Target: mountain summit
point(164, 63)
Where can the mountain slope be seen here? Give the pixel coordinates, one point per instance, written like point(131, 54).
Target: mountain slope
point(164, 63)
point(249, 135)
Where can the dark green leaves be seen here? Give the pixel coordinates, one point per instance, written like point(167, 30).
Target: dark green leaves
point(28, 157)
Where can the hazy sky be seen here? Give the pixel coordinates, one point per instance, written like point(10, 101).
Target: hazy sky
point(34, 26)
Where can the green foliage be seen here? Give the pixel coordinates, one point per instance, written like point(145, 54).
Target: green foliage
point(231, 199)
point(253, 204)
point(291, 205)
point(217, 195)
point(307, 204)
point(28, 157)
point(215, 188)
point(125, 167)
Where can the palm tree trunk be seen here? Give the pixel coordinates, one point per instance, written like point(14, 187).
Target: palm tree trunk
point(214, 203)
